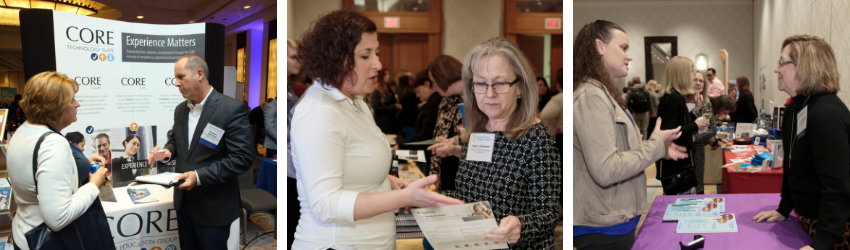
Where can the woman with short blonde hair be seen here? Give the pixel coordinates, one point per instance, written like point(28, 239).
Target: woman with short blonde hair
point(815, 132)
point(500, 104)
point(62, 192)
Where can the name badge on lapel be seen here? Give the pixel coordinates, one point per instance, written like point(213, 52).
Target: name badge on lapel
point(480, 147)
point(211, 136)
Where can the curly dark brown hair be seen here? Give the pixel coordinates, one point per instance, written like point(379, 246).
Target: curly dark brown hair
point(327, 50)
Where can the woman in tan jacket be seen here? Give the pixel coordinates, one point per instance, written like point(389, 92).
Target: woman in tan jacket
point(609, 157)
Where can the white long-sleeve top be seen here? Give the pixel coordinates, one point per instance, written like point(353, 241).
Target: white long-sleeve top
point(59, 202)
point(338, 152)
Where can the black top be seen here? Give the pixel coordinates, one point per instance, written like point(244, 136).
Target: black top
point(409, 109)
point(543, 101)
point(522, 179)
point(257, 118)
point(674, 113)
point(427, 119)
point(816, 178)
point(385, 111)
point(746, 109)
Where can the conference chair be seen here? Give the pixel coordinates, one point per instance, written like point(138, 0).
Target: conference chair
point(255, 200)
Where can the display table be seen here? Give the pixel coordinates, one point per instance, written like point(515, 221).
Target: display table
point(149, 225)
point(740, 182)
point(789, 234)
point(267, 177)
point(412, 244)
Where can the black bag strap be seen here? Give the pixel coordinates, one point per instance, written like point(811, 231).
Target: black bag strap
point(35, 158)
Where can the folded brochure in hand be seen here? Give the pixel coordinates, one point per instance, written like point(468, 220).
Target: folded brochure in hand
point(165, 179)
point(460, 226)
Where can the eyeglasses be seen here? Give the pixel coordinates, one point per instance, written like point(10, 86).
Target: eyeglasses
point(785, 62)
point(499, 87)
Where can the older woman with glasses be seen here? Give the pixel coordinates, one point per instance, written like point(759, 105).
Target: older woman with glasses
point(815, 132)
point(520, 174)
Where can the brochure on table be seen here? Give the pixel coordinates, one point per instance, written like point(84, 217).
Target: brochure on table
point(677, 212)
point(725, 224)
point(458, 227)
point(709, 203)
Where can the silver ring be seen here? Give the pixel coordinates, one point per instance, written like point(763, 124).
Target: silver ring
point(509, 240)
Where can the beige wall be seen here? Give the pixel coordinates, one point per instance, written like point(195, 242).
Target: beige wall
point(777, 20)
point(307, 11)
point(701, 27)
point(462, 31)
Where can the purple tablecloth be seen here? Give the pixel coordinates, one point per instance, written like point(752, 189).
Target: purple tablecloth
point(657, 235)
point(267, 177)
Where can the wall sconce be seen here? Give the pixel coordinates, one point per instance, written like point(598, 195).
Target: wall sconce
point(702, 61)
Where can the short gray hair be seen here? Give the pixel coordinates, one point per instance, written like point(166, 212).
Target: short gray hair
point(195, 62)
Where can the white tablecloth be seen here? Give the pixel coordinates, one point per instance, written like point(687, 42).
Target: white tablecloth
point(151, 225)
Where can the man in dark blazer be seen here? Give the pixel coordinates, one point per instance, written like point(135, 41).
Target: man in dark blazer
point(213, 144)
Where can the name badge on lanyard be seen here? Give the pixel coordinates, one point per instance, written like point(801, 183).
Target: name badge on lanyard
point(801, 122)
point(480, 147)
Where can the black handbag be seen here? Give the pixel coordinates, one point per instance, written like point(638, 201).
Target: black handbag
point(680, 181)
point(82, 233)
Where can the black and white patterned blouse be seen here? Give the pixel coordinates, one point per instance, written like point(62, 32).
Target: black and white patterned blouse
point(523, 179)
point(700, 140)
point(448, 118)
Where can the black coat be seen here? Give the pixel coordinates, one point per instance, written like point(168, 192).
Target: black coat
point(426, 122)
point(256, 118)
point(409, 109)
point(745, 109)
point(385, 111)
point(674, 113)
point(816, 177)
point(216, 201)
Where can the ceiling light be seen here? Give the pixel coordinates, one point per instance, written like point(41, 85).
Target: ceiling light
point(247, 6)
point(9, 9)
point(140, 17)
point(191, 21)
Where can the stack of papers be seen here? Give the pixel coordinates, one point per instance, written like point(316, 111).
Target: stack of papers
point(760, 158)
point(709, 203)
point(165, 179)
point(676, 212)
point(725, 224)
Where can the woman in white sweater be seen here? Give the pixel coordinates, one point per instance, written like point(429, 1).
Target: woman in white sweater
point(65, 189)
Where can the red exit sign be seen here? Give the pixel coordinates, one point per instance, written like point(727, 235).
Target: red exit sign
point(392, 22)
point(553, 23)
